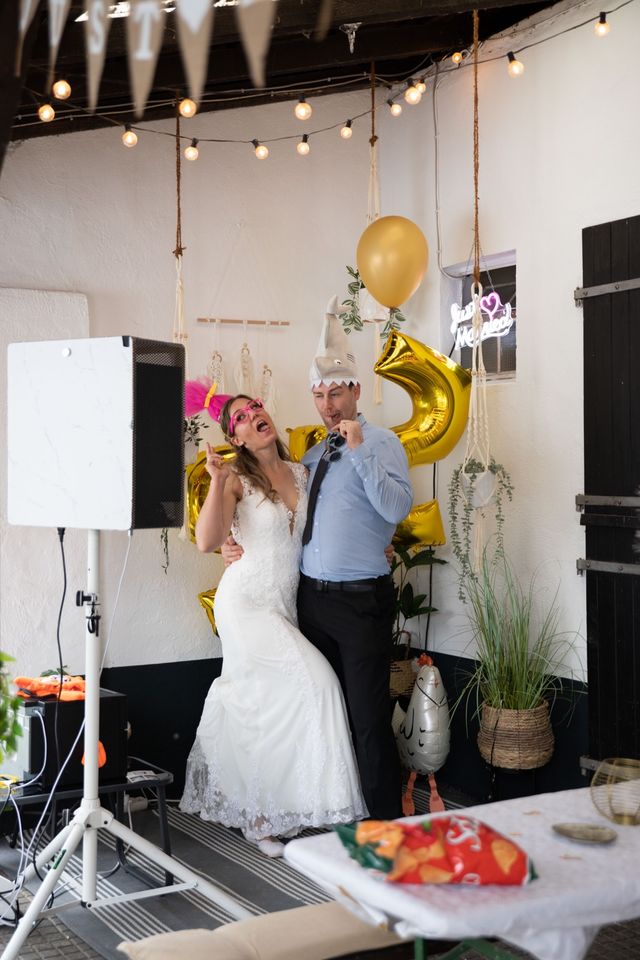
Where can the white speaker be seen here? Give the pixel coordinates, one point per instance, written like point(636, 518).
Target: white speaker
point(95, 433)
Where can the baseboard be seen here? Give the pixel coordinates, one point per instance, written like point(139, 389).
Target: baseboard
point(164, 705)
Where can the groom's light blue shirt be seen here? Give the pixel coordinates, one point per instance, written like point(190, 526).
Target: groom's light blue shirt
point(363, 497)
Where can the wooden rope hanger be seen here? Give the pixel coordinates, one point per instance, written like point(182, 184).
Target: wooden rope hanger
point(259, 323)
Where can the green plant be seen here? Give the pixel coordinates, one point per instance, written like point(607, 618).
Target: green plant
point(351, 319)
point(10, 729)
point(519, 649)
point(462, 489)
point(408, 603)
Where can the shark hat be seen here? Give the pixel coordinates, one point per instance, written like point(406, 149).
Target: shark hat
point(334, 362)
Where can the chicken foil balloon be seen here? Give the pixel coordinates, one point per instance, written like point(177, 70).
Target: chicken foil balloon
point(422, 733)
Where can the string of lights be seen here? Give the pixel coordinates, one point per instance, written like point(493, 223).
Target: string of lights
point(395, 87)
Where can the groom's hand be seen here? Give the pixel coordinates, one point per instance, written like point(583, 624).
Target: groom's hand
point(231, 551)
point(352, 432)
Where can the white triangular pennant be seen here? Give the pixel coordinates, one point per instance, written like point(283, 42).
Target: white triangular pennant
point(27, 10)
point(58, 10)
point(145, 24)
point(255, 19)
point(195, 19)
point(96, 34)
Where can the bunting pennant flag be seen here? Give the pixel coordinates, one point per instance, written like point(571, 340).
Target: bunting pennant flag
point(96, 34)
point(145, 25)
point(195, 19)
point(255, 20)
point(58, 11)
point(27, 10)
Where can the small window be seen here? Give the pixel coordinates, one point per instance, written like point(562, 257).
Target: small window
point(499, 322)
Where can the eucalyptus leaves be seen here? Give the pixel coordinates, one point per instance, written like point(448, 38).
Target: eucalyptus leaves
point(351, 318)
point(464, 488)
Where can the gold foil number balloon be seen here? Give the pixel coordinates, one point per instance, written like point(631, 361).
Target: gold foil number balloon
point(439, 390)
point(423, 525)
point(392, 258)
point(206, 599)
point(198, 485)
point(302, 439)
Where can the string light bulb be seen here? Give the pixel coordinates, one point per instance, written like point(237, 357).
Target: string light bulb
point(303, 109)
point(456, 58)
point(61, 90)
point(191, 152)
point(395, 109)
point(421, 86)
point(46, 112)
point(412, 95)
point(187, 108)
point(602, 27)
point(346, 131)
point(261, 151)
point(129, 137)
point(516, 67)
point(303, 147)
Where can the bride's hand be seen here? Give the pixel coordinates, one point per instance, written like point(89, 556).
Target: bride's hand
point(215, 465)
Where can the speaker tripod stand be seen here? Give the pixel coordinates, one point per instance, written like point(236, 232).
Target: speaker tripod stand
point(91, 817)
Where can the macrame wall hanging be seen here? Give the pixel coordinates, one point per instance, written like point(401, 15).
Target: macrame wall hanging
point(249, 376)
point(179, 332)
point(370, 309)
point(477, 458)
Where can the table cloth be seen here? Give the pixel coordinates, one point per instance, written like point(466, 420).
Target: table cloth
point(580, 886)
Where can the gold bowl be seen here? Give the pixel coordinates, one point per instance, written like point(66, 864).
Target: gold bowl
point(615, 790)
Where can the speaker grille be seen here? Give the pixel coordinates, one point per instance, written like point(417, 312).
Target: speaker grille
point(158, 434)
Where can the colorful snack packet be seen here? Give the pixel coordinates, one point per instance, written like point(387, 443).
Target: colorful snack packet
point(452, 849)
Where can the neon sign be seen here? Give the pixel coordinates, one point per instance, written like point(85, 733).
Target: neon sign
point(499, 320)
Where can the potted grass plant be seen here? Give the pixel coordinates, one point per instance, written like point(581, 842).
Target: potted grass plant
point(520, 655)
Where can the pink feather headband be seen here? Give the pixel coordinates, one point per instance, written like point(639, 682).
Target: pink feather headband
point(201, 395)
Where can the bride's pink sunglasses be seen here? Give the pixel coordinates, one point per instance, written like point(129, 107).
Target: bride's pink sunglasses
point(241, 415)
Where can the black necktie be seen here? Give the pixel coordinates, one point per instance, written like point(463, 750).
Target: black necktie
point(321, 469)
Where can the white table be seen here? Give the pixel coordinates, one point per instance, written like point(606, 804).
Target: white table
point(580, 887)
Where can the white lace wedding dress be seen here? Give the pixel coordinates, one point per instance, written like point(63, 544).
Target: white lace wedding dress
point(273, 752)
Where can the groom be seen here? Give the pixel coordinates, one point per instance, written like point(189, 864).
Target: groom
point(359, 491)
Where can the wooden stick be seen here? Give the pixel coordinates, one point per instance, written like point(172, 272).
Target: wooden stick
point(260, 323)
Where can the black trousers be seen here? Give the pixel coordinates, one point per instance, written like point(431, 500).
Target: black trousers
point(353, 631)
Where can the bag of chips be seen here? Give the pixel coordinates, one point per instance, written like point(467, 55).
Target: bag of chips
point(451, 849)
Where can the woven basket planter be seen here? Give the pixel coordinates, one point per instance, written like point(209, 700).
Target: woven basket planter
point(401, 678)
point(516, 739)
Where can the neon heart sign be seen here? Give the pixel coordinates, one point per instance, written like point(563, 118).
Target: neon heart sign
point(499, 320)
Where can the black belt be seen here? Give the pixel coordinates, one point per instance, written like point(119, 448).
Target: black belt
point(349, 586)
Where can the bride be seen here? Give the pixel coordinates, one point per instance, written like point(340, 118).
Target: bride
point(273, 751)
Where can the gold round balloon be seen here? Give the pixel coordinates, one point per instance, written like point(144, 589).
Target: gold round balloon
point(198, 485)
point(206, 599)
point(422, 527)
point(302, 439)
point(439, 389)
point(392, 258)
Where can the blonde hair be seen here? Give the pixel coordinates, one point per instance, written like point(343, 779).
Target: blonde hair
point(245, 464)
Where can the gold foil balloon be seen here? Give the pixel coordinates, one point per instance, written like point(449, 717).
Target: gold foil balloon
point(422, 526)
point(206, 599)
point(392, 258)
point(302, 439)
point(440, 391)
point(198, 485)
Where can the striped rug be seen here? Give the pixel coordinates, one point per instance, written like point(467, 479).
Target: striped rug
point(221, 855)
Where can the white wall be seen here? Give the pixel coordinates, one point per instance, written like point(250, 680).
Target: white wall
point(558, 152)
